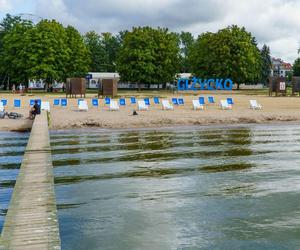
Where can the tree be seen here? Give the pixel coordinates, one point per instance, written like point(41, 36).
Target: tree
point(45, 51)
point(97, 52)
point(103, 50)
point(231, 52)
point(79, 60)
point(186, 43)
point(266, 63)
point(296, 67)
point(148, 56)
point(13, 54)
point(7, 24)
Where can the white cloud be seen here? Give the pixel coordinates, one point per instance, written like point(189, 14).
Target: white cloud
point(5, 5)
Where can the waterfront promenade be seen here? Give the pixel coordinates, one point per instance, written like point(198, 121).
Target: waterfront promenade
point(31, 221)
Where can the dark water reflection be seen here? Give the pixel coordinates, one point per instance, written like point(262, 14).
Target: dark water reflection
point(233, 188)
point(12, 147)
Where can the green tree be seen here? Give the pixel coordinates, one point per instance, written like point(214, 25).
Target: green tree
point(148, 56)
point(14, 55)
point(47, 52)
point(266, 63)
point(186, 43)
point(79, 60)
point(6, 25)
point(231, 52)
point(296, 67)
point(97, 52)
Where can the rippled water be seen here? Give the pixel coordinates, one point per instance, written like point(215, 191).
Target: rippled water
point(184, 188)
point(12, 147)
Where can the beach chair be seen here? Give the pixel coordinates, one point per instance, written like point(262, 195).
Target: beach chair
point(197, 105)
point(122, 102)
point(32, 102)
point(175, 101)
point(224, 105)
point(107, 101)
point(254, 105)
point(113, 106)
point(17, 103)
point(1, 107)
point(64, 102)
point(230, 101)
point(79, 100)
point(132, 100)
point(95, 102)
point(180, 101)
point(201, 100)
point(45, 106)
point(56, 102)
point(142, 105)
point(166, 105)
point(147, 101)
point(156, 100)
point(4, 102)
point(83, 106)
point(211, 100)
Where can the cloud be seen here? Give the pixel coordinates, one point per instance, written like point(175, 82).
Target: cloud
point(5, 5)
point(274, 22)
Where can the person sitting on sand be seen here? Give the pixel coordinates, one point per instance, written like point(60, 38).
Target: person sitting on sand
point(35, 110)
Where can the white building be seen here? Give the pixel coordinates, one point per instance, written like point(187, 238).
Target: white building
point(280, 68)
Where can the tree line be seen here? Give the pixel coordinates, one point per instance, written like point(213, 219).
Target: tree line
point(48, 50)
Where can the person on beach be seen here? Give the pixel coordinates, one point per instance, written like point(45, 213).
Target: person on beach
point(35, 110)
point(13, 89)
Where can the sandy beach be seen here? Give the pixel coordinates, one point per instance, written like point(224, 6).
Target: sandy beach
point(275, 109)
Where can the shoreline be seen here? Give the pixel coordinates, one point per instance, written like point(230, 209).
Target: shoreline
point(279, 110)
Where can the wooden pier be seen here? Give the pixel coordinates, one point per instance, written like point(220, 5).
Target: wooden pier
point(31, 221)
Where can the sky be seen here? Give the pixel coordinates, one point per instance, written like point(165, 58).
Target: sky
point(273, 22)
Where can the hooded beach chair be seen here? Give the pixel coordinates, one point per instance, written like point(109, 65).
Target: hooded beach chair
point(197, 105)
point(95, 102)
point(132, 100)
point(201, 100)
point(224, 105)
point(180, 101)
point(175, 101)
point(56, 102)
point(166, 105)
point(107, 101)
point(122, 102)
point(211, 100)
point(142, 105)
point(17, 103)
point(230, 101)
point(45, 106)
point(113, 106)
point(4, 102)
point(254, 105)
point(147, 101)
point(83, 106)
point(156, 100)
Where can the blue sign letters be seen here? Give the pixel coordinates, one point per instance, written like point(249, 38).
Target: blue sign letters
point(204, 84)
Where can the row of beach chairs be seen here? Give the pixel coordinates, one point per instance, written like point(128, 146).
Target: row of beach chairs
point(142, 104)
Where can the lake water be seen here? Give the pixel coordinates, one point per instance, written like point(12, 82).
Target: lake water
point(12, 147)
point(181, 188)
